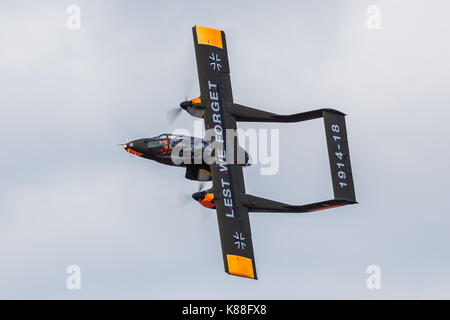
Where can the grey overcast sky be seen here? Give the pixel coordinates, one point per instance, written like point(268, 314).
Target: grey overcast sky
point(70, 196)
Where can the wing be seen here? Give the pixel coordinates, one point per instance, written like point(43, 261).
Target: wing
point(228, 179)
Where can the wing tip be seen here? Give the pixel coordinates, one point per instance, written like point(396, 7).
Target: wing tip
point(240, 266)
point(209, 36)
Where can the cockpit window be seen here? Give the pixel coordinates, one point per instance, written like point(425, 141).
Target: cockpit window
point(164, 139)
point(153, 143)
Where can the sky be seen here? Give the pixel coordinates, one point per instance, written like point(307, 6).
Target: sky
point(69, 195)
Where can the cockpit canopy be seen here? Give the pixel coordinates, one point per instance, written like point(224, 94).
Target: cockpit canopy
point(164, 140)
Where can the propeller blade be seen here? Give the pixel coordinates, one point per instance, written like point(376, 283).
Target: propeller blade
point(184, 199)
point(188, 85)
point(173, 113)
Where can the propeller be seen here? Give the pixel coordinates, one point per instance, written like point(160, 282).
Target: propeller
point(185, 199)
point(201, 186)
point(174, 113)
point(206, 213)
point(188, 84)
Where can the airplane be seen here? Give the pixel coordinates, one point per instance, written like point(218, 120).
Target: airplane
point(227, 195)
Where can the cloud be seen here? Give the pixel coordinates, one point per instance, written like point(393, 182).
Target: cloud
point(70, 195)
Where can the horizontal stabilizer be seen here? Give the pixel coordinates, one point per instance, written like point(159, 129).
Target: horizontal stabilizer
point(257, 204)
point(247, 114)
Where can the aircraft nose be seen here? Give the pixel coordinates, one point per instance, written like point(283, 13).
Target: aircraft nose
point(133, 148)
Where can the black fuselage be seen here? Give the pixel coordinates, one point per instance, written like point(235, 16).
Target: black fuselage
point(165, 149)
point(160, 148)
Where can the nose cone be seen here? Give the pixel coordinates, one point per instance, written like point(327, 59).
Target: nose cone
point(136, 147)
point(198, 196)
point(186, 104)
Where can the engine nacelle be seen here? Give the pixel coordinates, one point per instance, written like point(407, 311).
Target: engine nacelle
point(205, 198)
point(194, 107)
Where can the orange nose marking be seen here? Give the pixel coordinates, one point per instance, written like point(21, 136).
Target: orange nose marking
point(133, 152)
